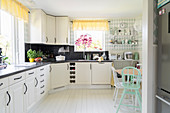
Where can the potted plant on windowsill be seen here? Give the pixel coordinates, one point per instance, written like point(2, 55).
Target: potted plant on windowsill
point(39, 59)
point(31, 54)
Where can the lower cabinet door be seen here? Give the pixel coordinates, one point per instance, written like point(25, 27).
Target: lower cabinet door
point(101, 73)
point(83, 73)
point(4, 100)
point(30, 95)
point(59, 75)
point(37, 88)
point(17, 92)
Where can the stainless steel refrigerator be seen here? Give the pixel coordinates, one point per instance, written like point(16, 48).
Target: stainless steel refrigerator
point(163, 78)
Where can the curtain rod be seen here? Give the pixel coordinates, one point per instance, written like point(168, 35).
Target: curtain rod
point(72, 21)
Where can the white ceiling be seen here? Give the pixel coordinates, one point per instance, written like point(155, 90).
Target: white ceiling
point(88, 8)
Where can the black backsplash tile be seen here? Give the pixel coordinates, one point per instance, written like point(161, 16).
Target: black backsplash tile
point(52, 50)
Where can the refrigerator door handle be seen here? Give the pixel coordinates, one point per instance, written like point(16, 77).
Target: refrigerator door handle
point(163, 100)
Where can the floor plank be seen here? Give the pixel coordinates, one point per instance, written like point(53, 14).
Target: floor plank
point(82, 101)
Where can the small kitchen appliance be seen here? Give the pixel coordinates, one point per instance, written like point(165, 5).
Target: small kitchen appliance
point(128, 55)
point(60, 58)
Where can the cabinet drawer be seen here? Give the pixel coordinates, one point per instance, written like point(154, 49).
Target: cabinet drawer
point(41, 81)
point(41, 70)
point(42, 92)
point(16, 78)
point(41, 75)
point(30, 73)
point(3, 83)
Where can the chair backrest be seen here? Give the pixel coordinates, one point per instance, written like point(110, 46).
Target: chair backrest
point(116, 80)
point(131, 77)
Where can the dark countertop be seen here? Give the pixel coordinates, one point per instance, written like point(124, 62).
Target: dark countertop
point(12, 69)
point(79, 61)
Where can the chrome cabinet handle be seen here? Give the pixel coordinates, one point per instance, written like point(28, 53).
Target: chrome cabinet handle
point(42, 75)
point(9, 98)
point(42, 80)
point(1, 84)
point(163, 100)
point(18, 78)
point(42, 92)
point(50, 68)
point(67, 66)
point(36, 82)
point(25, 89)
point(46, 39)
point(55, 40)
point(31, 73)
point(42, 86)
point(42, 69)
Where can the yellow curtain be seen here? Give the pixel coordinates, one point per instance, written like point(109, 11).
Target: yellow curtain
point(15, 8)
point(97, 25)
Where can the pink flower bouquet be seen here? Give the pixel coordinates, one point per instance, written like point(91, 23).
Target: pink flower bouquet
point(84, 40)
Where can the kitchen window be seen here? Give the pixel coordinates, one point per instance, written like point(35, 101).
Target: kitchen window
point(12, 37)
point(89, 40)
point(89, 35)
point(7, 35)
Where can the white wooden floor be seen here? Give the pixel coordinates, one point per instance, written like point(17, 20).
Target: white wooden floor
point(81, 101)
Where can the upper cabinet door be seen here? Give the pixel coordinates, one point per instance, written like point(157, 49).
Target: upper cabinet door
point(62, 30)
point(43, 27)
point(50, 29)
point(37, 27)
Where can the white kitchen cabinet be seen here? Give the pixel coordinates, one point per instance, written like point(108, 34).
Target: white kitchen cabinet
point(83, 73)
point(17, 93)
point(59, 75)
point(62, 30)
point(30, 95)
point(51, 36)
point(37, 26)
point(20, 92)
point(4, 99)
point(101, 73)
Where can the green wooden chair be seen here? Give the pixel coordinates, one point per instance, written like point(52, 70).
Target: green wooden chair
point(131, 78)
